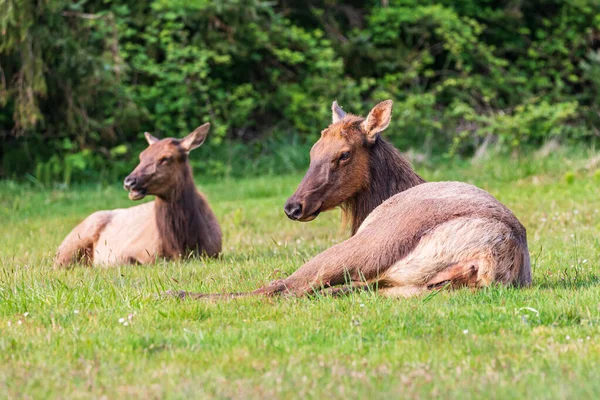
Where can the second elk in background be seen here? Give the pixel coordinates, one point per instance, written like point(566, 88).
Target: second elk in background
point(179, 222)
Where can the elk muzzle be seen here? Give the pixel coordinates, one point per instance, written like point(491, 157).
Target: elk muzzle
point(307, 202)
point(133, 185)
point(293, 209)
point(297, 210)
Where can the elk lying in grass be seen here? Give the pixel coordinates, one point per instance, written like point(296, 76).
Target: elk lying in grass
point(408, 236)
point(178, 222)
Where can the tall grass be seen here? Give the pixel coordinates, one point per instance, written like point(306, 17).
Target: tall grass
point(104, 332)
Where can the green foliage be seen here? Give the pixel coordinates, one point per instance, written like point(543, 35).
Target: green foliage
point(79, 79)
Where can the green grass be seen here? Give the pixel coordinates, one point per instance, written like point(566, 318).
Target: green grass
point(60, 334)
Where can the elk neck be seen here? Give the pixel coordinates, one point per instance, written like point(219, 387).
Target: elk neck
point(181, 218)
point(390, 173)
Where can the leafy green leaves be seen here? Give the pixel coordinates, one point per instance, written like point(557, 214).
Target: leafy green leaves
point(97, 73)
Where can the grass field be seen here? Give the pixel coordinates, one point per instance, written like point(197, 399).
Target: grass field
point(92, 332)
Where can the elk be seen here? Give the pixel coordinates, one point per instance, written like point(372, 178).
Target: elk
point(408, 236)
point(177, 223)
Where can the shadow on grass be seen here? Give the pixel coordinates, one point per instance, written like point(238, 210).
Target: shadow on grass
point(562, 281)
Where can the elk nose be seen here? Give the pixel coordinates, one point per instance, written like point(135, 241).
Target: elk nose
point(130, 182)
point(293, 209)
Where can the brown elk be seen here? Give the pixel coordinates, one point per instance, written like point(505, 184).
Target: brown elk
point(177, 223)
point(408, 236)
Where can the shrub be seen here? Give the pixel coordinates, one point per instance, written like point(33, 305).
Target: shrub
point(81, 81)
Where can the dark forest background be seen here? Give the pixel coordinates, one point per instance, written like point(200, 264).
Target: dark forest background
point(80, 81)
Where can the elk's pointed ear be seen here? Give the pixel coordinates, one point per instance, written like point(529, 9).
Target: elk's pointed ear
point(151, 139)
point(336, 112)
point(378, 119)
point(196, 138)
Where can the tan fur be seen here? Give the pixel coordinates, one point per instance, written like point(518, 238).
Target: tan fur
point(119, 236)
point(178, 223)
point(409, 236)
point(477, 243)
point(415, 239)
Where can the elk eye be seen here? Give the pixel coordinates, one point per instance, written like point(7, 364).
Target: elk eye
point(345, 155)
point(164, 160)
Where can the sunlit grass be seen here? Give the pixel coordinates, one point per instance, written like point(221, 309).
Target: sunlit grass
point(93, 332)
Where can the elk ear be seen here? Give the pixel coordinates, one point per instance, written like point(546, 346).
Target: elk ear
point(151, 139)
point(336, 112)
point(196, 138)
point(378, 119)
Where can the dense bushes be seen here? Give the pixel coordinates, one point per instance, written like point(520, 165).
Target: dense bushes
point(80, 81)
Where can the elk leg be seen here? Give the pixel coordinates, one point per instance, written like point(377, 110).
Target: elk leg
point(346, 289)
point(346, 262)
point(464, 274)
point(458, 275)
point(330, 291)
point(78, 246)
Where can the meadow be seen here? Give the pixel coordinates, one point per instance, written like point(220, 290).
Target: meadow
point(106, 332)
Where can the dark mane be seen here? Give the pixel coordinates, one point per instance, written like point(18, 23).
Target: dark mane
point(185, 222)
point(390, 174)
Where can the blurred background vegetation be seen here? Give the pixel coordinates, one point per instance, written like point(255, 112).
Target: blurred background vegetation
point(80, 81)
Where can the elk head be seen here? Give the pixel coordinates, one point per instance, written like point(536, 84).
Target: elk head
point(163, 165)
point(339, 162)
